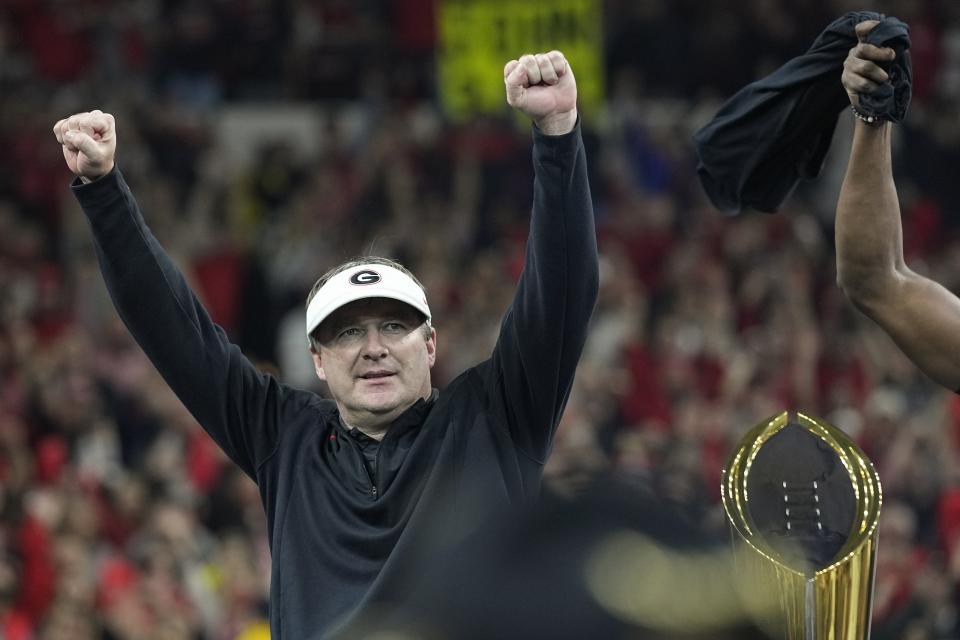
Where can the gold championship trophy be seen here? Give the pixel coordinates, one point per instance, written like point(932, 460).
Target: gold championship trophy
point(803, 503)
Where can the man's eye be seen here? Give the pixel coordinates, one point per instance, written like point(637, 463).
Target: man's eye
point(394, 327)
point(351, 332)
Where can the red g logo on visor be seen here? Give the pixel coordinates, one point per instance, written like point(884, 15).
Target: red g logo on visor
point(366, 276)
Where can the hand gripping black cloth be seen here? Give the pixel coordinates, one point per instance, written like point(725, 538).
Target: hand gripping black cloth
point(777, 130)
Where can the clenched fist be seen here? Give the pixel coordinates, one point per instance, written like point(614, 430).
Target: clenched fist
point(89, 142)
point(862, 72)
point(542, 86)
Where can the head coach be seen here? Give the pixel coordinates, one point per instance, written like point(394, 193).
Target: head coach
point(359, 490)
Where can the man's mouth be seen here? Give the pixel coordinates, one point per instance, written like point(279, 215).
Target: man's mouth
point(376, 375)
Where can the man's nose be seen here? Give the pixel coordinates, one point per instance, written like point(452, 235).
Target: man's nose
point(374, 347)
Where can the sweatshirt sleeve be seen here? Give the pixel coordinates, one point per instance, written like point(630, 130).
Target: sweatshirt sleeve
point(236, 404)
point(543, 331)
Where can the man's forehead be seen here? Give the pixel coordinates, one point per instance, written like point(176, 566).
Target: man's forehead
point(371, 308)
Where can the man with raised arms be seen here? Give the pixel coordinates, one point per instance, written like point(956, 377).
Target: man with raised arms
point(353, 486)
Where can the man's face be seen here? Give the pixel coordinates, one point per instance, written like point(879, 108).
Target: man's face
point(376, 360)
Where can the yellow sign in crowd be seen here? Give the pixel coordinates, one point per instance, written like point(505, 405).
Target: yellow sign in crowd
point(477, 37)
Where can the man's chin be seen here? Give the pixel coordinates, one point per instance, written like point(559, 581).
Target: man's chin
point(381, 406)
point(382, 410)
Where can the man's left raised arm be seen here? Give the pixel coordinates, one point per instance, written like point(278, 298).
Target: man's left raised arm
point(544, 330)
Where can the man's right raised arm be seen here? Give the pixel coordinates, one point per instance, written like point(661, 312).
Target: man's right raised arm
point(236, 404)
point(921, 316)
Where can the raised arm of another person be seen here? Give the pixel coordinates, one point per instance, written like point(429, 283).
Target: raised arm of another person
point(921, 316)
point(236, 404)
point(543, 331)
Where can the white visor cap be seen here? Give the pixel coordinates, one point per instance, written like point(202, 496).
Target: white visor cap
point(364, 281)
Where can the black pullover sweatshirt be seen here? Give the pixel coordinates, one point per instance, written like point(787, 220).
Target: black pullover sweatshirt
point(346, 544)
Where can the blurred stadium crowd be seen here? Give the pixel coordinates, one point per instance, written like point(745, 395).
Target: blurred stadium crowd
point(119, 518)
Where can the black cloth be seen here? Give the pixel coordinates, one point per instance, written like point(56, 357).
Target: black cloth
point(776, 131)
point(338, 546)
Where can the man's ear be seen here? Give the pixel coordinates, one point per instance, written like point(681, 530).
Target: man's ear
point(317, 365)
point(431, 348)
